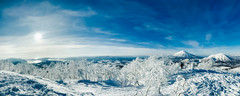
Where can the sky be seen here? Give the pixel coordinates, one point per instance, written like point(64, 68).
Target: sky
point(68, 28)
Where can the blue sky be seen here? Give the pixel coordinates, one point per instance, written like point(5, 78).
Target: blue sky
point(62, 28)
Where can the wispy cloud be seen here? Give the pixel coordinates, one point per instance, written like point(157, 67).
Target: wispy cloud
point(76, 50)
point(191, 43)
point(47, 17)
point(81, 13)
point(120, 40)
point(169, 38)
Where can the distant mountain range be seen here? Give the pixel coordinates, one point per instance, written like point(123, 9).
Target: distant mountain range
point(215, 57)
point(181, 56)
point(220, 57)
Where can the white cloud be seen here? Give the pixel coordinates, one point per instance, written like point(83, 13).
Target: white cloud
point(39, 9)
point(120, 40)
point(37, 51)
point(99, 30)
point(27, 47)
point(191, 43)
point(169, 38)
point(59, 51)
point(47, 17)
point(82, 13)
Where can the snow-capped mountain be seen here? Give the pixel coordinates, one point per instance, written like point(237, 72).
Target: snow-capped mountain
point(219, 57)
point(183, 54)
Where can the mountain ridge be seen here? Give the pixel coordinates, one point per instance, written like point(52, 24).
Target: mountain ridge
point(183, 54)
point(219, 57)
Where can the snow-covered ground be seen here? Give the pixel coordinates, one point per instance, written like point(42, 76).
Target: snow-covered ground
point(151, 76)
point(17, 84)
point(204, 83)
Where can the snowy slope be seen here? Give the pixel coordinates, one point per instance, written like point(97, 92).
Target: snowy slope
point(183, 54)
point(204, 83)
point(196, 82)
point(16, 84)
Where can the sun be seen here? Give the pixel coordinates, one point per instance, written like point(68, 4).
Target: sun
point(38, 37)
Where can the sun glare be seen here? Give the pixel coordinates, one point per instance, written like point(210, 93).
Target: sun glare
point(38, 37)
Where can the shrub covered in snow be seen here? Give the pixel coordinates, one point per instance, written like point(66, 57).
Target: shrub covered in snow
point(138, 72)
point(77, 69)
point(155, 75)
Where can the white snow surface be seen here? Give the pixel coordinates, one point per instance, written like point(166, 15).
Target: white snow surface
point(17, 84)
point(205, 83)
point(141, 77)
point(200, 82)
point(183, 54)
